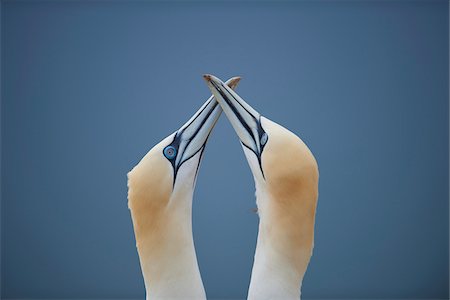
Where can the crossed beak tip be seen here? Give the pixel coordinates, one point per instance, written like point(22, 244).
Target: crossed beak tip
point(234, 81)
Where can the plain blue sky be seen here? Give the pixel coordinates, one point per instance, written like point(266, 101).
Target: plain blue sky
point(89, 87)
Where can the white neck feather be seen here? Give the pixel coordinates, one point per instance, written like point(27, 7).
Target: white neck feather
point(171, 270)
point(273, 275)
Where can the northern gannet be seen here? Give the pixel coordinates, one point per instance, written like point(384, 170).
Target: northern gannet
point(286, 181)
point(160, 191)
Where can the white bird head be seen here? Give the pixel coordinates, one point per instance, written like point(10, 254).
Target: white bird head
point(160, 189)
point(286, 178)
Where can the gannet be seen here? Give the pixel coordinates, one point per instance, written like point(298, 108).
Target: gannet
point(160, 191)
point(286, 181)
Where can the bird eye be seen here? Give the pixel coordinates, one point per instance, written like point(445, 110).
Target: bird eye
point(170, 152)
point(263, 139)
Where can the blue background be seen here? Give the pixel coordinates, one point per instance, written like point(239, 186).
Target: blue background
point(89, 87)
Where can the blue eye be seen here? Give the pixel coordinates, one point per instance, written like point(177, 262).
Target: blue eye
point(170, 152)
point(263, 139)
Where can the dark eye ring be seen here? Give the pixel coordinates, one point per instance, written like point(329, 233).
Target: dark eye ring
point(170, 152)
point(264, 138)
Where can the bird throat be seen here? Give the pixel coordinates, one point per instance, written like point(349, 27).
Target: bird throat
point(167, 255)
point(276, 272)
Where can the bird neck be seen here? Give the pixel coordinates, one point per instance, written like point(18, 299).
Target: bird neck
point(277, 269)
point(273, 277)
point(167, 254)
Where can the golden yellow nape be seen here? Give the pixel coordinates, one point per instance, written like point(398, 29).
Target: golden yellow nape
point(286, 180)
point(160, 190)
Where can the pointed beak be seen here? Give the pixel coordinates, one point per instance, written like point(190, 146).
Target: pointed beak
point(245, 120)
point(193, 135)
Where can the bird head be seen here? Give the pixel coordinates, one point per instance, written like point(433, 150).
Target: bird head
point(161, 185)
point(284, 169)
